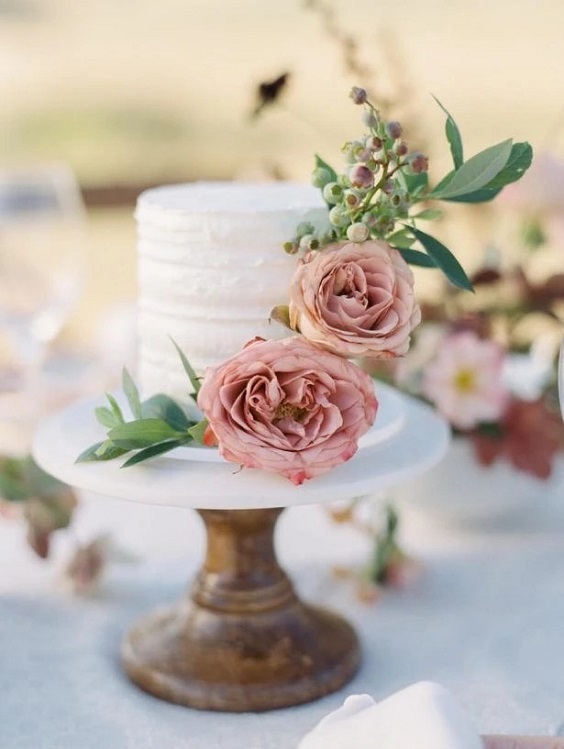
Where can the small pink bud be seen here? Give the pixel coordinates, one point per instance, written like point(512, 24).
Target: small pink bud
point(358, 95)
point(373, 142)
point(394, 129)
point(361, 176)
point(418, 163)
point(401, 148)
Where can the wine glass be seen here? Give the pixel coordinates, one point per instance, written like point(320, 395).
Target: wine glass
point(42, 219)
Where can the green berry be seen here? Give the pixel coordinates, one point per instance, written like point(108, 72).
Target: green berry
point(290, 247)
point(308, 242)
point(352, 198)
point(358, 232)
point(338, 216)
point(332, 192)
point(321, 177)
point(304, 228)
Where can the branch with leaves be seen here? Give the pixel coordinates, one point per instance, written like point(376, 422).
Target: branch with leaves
point(160, 424)
point(384, 192)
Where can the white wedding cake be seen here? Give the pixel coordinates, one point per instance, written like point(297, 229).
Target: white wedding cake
point(211, 266)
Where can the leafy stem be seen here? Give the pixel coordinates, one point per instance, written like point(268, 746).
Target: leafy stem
point(159, 424)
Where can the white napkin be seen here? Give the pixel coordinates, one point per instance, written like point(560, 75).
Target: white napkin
point(424, 715)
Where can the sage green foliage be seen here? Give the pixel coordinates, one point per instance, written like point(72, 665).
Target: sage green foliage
point(159, 424)
point(386, 549)
point(391, 207)
point(22, 479)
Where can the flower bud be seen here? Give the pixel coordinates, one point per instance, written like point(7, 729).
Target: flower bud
point(304, 228)
point(332, 192)
point(358, 95)
point(349, 152)
point(338, 216)
point(290, 247)
point(388, 187)
point(358, 232)
point(308, 242)
point(363, 154)
point(369, 219)
point(320, 177)
point(401, 148)
point(352, 198)
point(393, 129)
point(361, 176)
point(373, 142)
point(418, 163)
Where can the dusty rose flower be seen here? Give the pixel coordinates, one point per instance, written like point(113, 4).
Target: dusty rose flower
point(356, 300)
point(287, 407)
point(465, 380)
point(529, 438)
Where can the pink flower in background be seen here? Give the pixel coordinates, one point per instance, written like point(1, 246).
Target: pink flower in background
point(539, 195)
point(288, 407)
point(540, 190)
point(356, 300)
point(465, 380)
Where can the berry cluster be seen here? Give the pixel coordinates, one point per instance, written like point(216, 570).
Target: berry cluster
point(376, 190)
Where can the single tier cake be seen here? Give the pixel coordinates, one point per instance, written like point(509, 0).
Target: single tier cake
point(211, 267)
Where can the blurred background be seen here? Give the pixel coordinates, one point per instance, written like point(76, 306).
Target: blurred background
point(133, 93)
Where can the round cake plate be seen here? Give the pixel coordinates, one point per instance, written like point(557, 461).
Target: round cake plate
point(242, 640)
point(414, 438)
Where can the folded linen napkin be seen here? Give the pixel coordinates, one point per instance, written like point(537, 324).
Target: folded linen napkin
point(424, 715)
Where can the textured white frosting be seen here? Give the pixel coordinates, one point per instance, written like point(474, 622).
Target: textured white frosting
point(210, 269)
point(422, 716)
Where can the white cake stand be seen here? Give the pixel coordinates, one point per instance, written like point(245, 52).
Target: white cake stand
point(242, 640)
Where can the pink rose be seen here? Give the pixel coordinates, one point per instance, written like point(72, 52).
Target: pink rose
point(287, 407)
point(356, 300)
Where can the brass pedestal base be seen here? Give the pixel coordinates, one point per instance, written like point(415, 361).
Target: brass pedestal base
point(243, 641)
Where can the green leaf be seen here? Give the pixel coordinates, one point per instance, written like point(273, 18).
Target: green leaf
point(453, 136)
point(164, 407)
point(105, 450)
point(415, 257)
point(414, 183)
point(519, 161)
point(12, 479)
point(198, 430)
point(478, 196)
point(138, 434)
point(132, 394)
point(116, 410)
point(152, 451)
point(476, 172)
point(321, 164)
point(444, 259)
point(429, 214)
point(106, 417)
point(192, 376)
point(401, 240)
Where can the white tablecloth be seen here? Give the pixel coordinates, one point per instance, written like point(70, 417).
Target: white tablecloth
point(486, 619)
